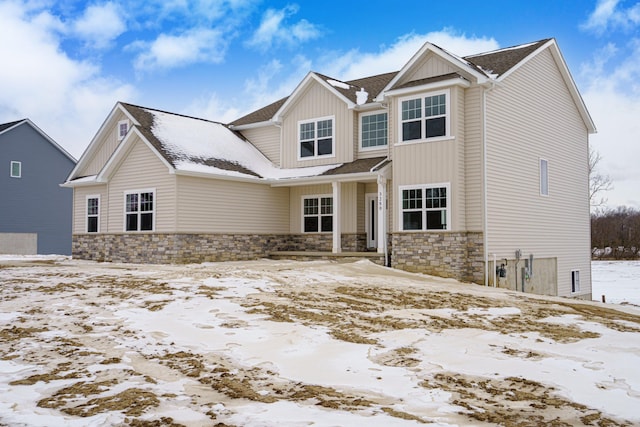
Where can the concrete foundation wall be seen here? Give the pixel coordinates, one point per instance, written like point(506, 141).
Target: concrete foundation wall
point(19, 243)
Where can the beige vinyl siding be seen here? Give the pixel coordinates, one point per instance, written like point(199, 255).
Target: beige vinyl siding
point(473, 159)
point(349, 204)
point(317, 102)
point(431, 65)
point(80, 207)
point(141, 169)
point(267, 140)
point(105, 146)
point(518, 216)
point(223, 206)
point(434, 162)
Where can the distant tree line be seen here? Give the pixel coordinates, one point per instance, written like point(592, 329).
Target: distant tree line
point(615, 233)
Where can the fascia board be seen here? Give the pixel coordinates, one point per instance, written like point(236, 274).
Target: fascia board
point(428, 47)
point(566, 75)
point(311, 76)
point(223, 177)
point(89, 151)
point(118, 155)
point(459, 81)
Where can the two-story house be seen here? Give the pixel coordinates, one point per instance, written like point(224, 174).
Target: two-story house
point(473, 168)
point(35, 212)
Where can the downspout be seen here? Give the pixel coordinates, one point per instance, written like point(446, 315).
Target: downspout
point(485, 225)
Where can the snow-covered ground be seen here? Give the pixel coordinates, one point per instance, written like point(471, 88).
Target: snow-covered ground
point(618, 281)
point(283, 343)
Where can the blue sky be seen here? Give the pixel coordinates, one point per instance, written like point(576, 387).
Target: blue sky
point(66, 63)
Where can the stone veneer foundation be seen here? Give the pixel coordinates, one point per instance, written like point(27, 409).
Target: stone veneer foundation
point(193, 248)
point(445, 254)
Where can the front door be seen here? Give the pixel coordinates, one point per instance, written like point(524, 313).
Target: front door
point(371, 219)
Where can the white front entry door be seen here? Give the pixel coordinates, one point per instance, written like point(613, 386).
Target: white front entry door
point(371, 219)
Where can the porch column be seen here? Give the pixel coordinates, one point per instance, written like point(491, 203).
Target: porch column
point(382, 214)
point(337, 223)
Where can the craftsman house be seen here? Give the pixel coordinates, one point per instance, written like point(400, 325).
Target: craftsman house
point(35, 212)
point(473, 168)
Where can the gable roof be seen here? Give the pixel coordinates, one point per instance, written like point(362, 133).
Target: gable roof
point(6, 127)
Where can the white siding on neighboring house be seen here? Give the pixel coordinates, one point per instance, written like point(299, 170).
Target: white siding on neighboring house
point(317, 102)
point(473, 159)
point(105, 146)
point(141, 169)
point(224, 206)
point(532, 113)
point(267, 140)
point(80, 207)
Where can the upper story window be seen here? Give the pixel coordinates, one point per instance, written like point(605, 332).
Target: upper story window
point(423, 117)
point(316, 137)
point(544, 177)
point(123, 128)
point(425, 207)
point(373, 130)
point(317, 214)
point(16, 169)
point(93, 214)
point(139, 210)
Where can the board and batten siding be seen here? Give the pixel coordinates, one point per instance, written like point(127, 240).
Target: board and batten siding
point(267, 140)
point(349, 202)
point(531, 113)
point(80, 207)
point(316, 102)
point(223, 206)
point(473, 159)
point(434, 162)
point(141, 169)
point(105, 146)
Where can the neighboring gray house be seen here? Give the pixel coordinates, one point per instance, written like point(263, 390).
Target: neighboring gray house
point(35, 213)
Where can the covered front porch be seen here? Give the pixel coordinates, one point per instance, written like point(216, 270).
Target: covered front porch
point(341, 214)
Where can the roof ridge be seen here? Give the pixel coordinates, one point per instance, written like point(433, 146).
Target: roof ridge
point(517, 46)
point(172, 113)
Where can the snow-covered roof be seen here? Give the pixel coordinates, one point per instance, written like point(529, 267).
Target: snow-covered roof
point(190, 144)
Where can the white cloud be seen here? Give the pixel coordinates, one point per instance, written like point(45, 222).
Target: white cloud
point(356, 64)
point(171, 51)
point(100, 25)
point(274, 31)
point(607, 15)
point(613, 97)
point(66, 98)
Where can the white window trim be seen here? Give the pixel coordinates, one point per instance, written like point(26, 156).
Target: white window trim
point(446, 136)
point(154, 211)
point(86, 207)
point(121, 122)
point(542, 193)
point(319, 197)
point(401, 188)
point(577, 288)
point(13, 162)
point(333, 138)
point(376, 147)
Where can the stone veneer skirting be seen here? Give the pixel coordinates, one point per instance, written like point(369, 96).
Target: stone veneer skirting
point(445, 254)
point(193, 248)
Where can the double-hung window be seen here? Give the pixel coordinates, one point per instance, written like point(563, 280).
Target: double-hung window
point(139, 210)
point(426, 207)
point(423, 117)
point(373, 130)
point(316, 137)
point(317, 214)
point(93, 214)
point(16, 169)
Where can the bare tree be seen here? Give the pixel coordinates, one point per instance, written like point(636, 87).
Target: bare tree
point(598, 183)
